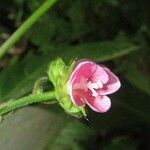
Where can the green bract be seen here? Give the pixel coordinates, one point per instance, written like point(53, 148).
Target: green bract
point(59, 73)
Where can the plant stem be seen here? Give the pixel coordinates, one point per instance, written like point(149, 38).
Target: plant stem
point(26, 26)
point(24, 101)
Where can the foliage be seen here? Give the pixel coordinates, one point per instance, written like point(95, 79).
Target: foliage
point(112, 32)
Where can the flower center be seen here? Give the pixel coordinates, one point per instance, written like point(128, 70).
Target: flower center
point(94, 86)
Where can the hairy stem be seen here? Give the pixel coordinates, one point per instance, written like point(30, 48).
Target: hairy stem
point(26, 26)
point(24, 101)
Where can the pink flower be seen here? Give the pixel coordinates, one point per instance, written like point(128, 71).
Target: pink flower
point(89, 84)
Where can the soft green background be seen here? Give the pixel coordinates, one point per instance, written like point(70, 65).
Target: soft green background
point(115, 33)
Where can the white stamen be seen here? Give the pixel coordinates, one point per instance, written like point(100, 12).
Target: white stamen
point(94, 86)
point(100, 84)
point(84, 85)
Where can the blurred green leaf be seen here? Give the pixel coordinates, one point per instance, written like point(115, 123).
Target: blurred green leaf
point(112, 2)
point(43, 31)
point(30, 128)
point(70, 136)
point(17, 80)
point(138, 78)
point(77, 15)
point(136, 13)
point(135, 68)
point(99, 51)
point(33, 4)
point(63, 30)
point(120, 143)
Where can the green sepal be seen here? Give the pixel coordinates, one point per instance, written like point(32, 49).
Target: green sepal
point(59, 73)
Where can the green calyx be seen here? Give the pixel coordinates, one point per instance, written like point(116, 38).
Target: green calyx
point(58, 74)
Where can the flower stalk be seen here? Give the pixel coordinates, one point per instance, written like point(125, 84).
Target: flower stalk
point(24, 101)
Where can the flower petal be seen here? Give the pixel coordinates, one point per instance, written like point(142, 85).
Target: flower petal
point(78, 78)
point(76, 97)
point(112, 85)
point(100, 74)
point(84, 69)
point(99, 104)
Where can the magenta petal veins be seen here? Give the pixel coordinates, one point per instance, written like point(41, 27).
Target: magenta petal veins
point(89, 84)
